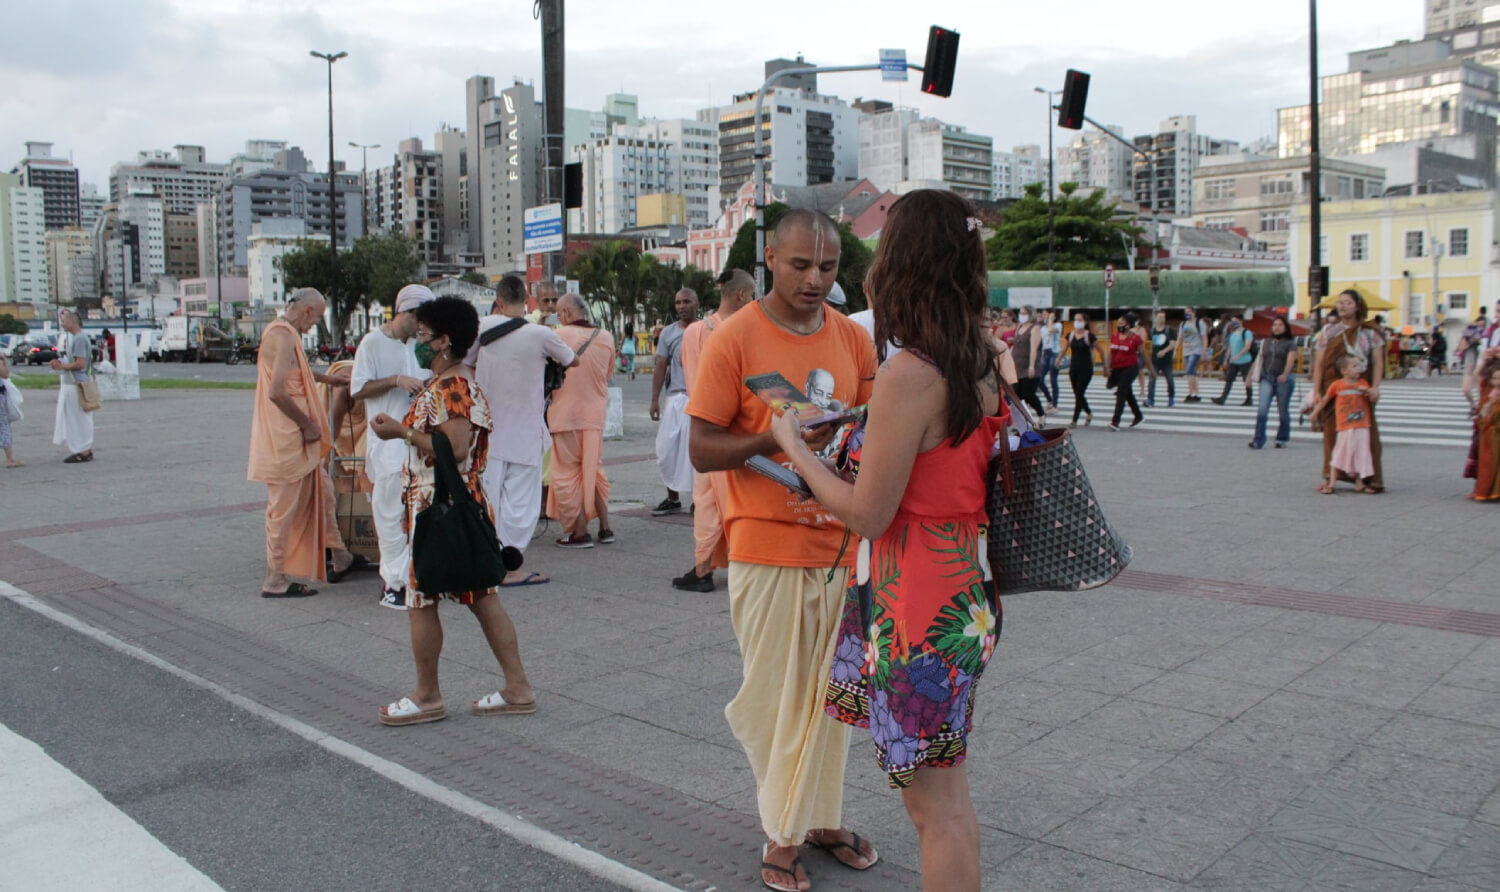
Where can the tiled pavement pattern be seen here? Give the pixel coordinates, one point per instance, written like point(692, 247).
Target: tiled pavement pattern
point(1286, 691)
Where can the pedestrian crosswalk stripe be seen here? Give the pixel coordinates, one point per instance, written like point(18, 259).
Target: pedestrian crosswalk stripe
point(1415, 413)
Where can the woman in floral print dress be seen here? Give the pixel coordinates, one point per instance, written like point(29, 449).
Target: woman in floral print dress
point(454, 405)
point(922, 617)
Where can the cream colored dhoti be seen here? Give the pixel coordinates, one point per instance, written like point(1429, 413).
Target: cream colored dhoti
point(709, 544)
point(786, 620)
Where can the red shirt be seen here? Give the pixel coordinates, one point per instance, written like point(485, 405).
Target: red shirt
point(1124, 350)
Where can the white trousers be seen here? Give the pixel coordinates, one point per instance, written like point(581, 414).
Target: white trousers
point(73, 427)
point(515, 495)
point(672, 445)
point(390, 517)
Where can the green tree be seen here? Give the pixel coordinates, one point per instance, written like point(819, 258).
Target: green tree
point(1086, 233)
point(369, 273)
point(475, 277)
point(854, 255)
point(11, 325)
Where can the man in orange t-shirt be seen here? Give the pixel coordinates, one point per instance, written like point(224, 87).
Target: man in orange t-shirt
point(736, 291)
point(788, 557)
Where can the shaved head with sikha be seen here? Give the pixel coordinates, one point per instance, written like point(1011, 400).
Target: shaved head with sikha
point(803, 257)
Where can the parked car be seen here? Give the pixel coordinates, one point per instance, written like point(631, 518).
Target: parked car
point(35, 350)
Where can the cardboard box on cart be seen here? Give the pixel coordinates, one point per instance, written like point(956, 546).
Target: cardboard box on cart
point(356, 519)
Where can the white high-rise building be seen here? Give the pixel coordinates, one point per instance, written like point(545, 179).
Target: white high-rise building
point(617, 169)
point(407, 197)
point(948, 157)
point(693, 159)
point(90, 206)
point(181, 177)
point(1095, 160)
point(1017, 169)
point(270, 240)
point(809, 138)
point(505, 168)
point(147, 212)
point(883, 147)
point(70, 266)
point(23, 242)
point(1175, 150)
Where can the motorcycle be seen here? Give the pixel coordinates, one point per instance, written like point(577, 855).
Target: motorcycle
point(243, 352)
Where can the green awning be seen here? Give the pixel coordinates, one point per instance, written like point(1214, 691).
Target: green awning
point(1179, 288)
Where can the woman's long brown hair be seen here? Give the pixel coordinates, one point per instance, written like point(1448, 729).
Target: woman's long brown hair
point(930, 286)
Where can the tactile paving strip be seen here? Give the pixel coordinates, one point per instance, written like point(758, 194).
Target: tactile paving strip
point(652, 828)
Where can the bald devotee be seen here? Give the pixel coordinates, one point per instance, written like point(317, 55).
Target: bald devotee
point(580, 491)
point(672, 434)
point(788, 557)
point(289, 442)
point(73, 427)
point(386, 376)
point(710, 550)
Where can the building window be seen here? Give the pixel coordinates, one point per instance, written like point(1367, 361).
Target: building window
point(1215, 189)
point(1275, 221)
point(1359, 247)
point(1414, 244)
point(1278, 185)
point(1458, 242)
point(1458, 300)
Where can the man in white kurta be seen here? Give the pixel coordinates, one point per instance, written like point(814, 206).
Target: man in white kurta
point(73, 427)
point(386, 376)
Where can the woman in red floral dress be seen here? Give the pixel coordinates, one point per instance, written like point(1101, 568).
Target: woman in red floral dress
point(922, 615)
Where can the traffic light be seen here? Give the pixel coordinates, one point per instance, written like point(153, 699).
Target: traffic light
point(573, 185)
point(942, 56)
point(1075, 94)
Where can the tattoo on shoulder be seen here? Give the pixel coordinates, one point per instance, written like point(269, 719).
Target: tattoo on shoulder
point(992, 381)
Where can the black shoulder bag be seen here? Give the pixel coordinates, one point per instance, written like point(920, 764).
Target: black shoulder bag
point(453, 543)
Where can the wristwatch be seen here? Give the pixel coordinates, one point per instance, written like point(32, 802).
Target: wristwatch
point(409, 432)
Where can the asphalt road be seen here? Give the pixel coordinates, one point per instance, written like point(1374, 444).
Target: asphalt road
point(246, 802)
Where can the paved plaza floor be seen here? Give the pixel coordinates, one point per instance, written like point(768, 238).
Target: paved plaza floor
point(1284, 691)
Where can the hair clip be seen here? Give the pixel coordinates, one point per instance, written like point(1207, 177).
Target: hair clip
point(973, 223)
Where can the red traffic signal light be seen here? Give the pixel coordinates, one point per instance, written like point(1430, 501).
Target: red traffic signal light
point(1075, 94)
point(942, 56)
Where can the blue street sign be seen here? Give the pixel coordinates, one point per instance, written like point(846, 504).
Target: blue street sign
point(893, 65)
point(542, 229)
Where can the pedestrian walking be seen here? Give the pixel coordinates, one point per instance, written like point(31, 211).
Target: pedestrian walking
point(1051, 350)
point(1278, 379)
point(1126, 356)
point(1027, 349)
point(1193, 336)
point(1238, 343)
point(1437, 351)
point(788, 557)
point(672, 432)
point(1164, 340)
point(1351, 335)
point(73, 425)
point(1083, 349)
point(385, 377)
point(908, 660)
point(452, 404)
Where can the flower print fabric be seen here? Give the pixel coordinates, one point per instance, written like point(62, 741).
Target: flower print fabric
point(445, 398)
point(921, 617)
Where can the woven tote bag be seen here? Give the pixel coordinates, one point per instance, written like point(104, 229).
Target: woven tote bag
point(1047, 531)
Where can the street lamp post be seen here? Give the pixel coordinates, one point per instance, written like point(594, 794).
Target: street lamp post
point(333, 194)
point(364, 187)
point(1051, 181)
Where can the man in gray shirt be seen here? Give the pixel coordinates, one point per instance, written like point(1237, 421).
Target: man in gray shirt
point(672, 435)
point(1193, 335)
point(74, 427)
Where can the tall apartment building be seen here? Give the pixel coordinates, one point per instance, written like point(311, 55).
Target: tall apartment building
point(900, 151)
point(407, 197)
point(90, 205)
point(505, 168)
point(1017, 169)
point(269, 241)
point(657, 157)
point(1415, 94)
point(181, 177)
point(1095, 160)
point(693, 157)
point(1471, 28)
point(182, 245)
point(451, 146)
point(23, 242)
point(58, 180)
point(70, 266)
point(883, 154)
point(809, 138)
point(148, 213)
point(285, 189)
point(1176, 148)
point(1260, 195)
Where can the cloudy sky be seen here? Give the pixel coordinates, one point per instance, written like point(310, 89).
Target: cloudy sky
point(103, 79)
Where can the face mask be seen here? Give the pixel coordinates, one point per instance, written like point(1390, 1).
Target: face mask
point(425, 354)
point(1078, 323)
point(1024, 318)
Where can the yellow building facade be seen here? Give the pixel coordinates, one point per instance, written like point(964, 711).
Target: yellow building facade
point(661, 209)
point(1432, 257)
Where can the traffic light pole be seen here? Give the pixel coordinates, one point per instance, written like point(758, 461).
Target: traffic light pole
point(760, 158)
point(1151, 176)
